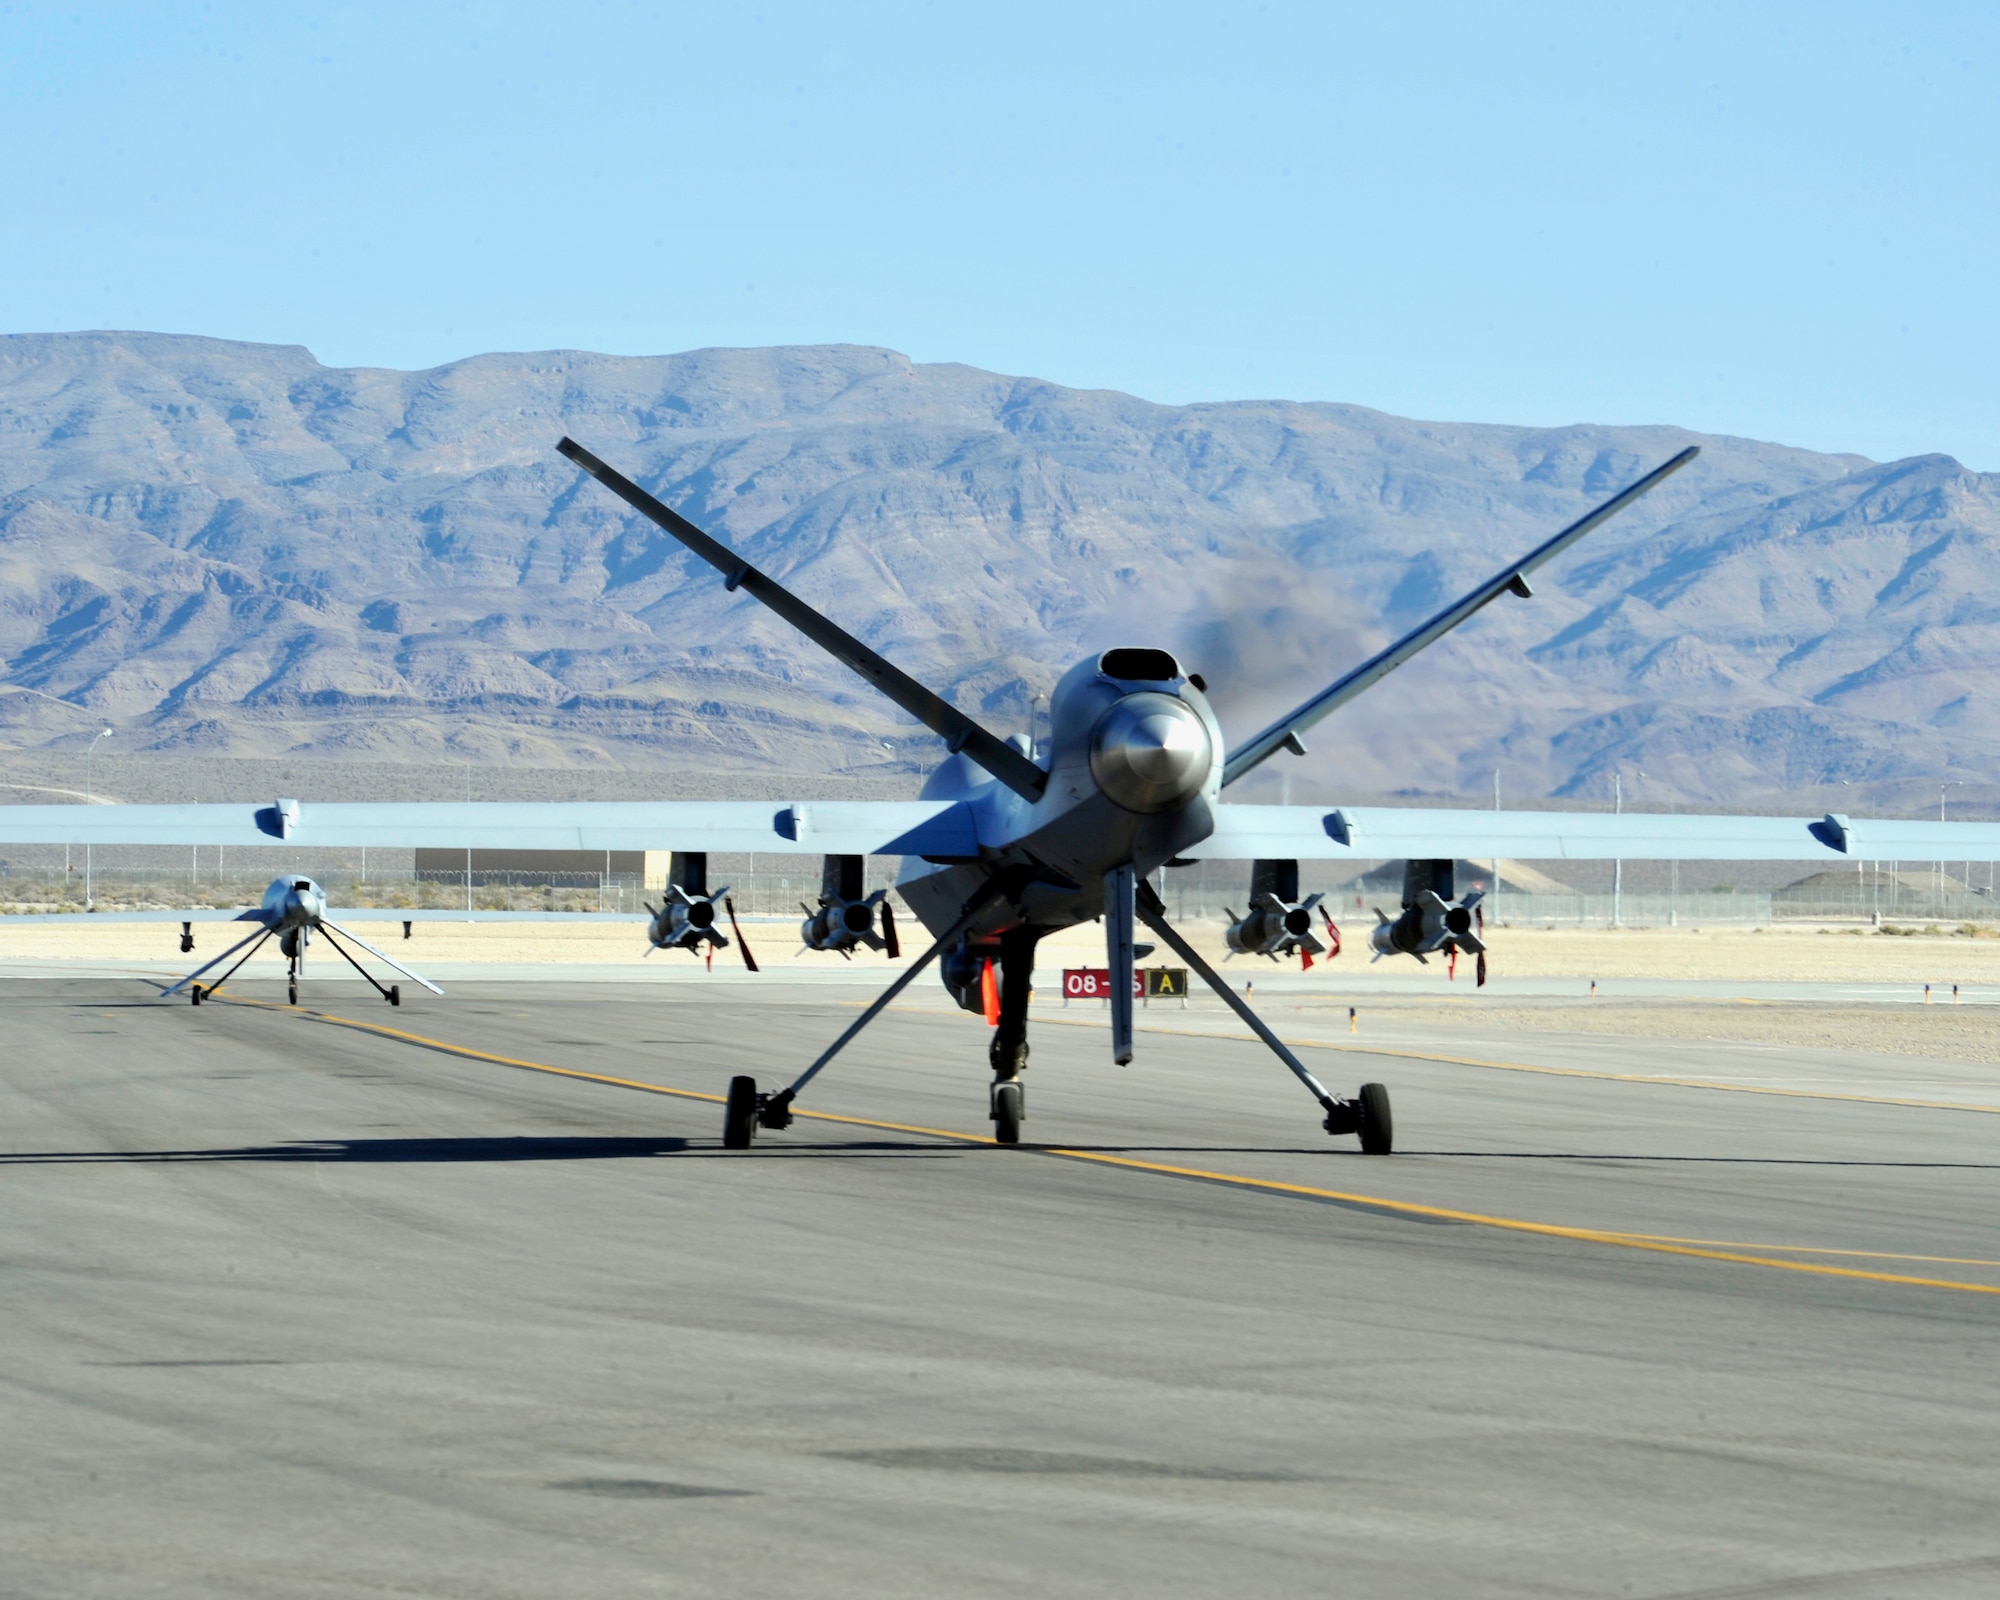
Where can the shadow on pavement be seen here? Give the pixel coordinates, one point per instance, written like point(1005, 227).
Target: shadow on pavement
point(528, 1148)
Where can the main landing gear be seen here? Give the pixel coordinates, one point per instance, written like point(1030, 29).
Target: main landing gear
point(292, 943)
point(1366, 1115)
point(746, 1110)
point(739, 1114)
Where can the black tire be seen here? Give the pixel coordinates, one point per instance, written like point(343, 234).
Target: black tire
point(194, 993)
point(395, 994)
point(739, 1115)
point(292, 993)
point(1378, 1127)
point(1008, 1109)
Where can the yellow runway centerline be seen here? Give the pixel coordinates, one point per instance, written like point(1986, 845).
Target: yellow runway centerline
point(1658, 1244)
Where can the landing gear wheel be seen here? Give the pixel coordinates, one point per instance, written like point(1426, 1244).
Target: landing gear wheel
point(1378, 1128)
point(1009, 1106)
point(292, 992)
point(194, 994)
point(739, 1116)
point(395, 995)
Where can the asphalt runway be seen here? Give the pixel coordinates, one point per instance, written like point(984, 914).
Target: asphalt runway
point(295, 1307)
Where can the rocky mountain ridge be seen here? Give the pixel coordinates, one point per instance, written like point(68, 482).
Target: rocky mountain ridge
point(228, 548)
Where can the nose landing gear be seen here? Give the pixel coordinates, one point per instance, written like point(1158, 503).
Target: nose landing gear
point(1010, 1105)
point(1008, 1096)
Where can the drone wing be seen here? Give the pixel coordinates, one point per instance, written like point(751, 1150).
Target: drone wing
point(959, 732)
point(1387, 833)
point(938, 829)
point(1284, 733)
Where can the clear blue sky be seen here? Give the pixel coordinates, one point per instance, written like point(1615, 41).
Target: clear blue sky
point(1772, 220)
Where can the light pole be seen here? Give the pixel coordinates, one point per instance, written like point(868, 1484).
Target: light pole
point(89, 751)
point(1617, 866)
point(1496, 859)
point(1937, 886)
point(1640, 772)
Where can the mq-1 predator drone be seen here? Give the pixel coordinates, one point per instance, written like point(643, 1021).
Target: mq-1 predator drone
point(292, 911)
point(1025, 841)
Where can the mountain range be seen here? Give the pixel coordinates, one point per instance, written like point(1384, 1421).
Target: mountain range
point(228, 549)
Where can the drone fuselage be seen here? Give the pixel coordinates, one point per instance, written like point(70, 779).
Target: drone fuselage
point(1134, 762)
point(291, 903)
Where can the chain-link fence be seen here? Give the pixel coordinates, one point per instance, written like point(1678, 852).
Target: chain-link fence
point(1745, 907)
point(143, 889)
point(777, 886)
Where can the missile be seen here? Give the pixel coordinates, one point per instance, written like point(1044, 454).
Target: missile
point(845, 917)
point(1279, 922)
point(686, 919)
point(1431, 923)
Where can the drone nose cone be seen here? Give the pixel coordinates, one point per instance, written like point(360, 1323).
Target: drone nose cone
point(1150, 752)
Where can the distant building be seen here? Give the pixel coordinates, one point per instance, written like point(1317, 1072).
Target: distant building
point(558, 868)
point(1515, 876)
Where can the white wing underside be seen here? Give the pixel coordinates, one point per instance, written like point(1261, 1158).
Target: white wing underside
point(1381, 833)
point(946, 830)
point(871, 827)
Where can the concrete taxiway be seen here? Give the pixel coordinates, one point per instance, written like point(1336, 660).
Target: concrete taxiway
point(346, 1299)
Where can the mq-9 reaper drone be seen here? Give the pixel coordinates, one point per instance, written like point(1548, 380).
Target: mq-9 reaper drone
point(1130, 780)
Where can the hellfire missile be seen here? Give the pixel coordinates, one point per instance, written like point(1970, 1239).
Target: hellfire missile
point(1279, 922)
point(1432, 923)
point(686, 919)
point(845, 916)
